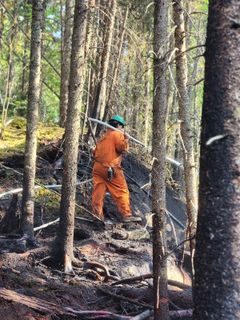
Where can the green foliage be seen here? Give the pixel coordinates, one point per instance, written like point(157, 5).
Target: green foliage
point(201, 5)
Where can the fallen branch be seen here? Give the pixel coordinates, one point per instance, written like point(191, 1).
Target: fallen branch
point(45, 225)
point(178, 314)
point(51, 186)
point(107, 274)
point(44, 306)
point(47, 307)
point(149, 276)
point(33, 302)
point(57, 193)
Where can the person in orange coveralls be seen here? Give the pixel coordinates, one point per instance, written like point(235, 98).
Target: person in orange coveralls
point(108, 174)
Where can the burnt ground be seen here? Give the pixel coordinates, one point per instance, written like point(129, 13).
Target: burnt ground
point(107, 253)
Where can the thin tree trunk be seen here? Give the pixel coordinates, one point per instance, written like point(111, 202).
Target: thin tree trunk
point(10, 72)
point(105, 61)
point(24, 65)
point(88, 71)
point(42, 107)
point(217, 259)
point(116, 67)
point(64, 239)
point(65, 61)
point(161, 307)
point(32, 120)
point(184, 115)
point(147, 124)
point(1, 26)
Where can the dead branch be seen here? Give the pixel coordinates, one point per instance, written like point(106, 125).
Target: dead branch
point(178, 314)
point(33, 302)
point(44, 306)
point(57, 193)
point(107, 274)
point(52, 186)
point(149, 276)
point(43, 226)
point(143, 315)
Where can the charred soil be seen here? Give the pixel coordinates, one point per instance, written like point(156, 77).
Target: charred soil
point(32, 287)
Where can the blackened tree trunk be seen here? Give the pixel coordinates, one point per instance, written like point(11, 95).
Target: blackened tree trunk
point(65, 60)
point(32, 120)
point(217, 261)
point(185, 118)
point(64, 241)
point(161, 308)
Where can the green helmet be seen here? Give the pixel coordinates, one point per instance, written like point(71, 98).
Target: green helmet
point(118, 119)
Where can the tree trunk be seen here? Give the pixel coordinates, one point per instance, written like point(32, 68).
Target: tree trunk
point(184, 116)
point(116, 67)
point(147, 103)
point(217, 260)
point(10, 72)
point(24, 65)
point(65, 61)
point(42, 107)
point(105, 61)
point(32, 119)
point(161, 307)
point(64, 239)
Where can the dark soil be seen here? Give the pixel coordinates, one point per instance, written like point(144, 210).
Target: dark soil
point(110, 252)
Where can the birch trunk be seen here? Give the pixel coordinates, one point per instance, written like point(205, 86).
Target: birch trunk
point(161, 307)
point(64, 241)
point(32, 120)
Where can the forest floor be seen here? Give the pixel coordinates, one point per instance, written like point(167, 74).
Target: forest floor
point(31, 287)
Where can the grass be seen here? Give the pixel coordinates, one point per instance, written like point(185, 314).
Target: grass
point(14, 136)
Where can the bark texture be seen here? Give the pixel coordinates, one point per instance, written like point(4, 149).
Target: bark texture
point(185, 118)
point(32, 120)
point(65, 63)
point(67, 208)
point(116, 67)
point(105, 61)
point(217, 261)
point(161, 308)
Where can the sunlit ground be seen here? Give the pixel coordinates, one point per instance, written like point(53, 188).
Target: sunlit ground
point(14, 136)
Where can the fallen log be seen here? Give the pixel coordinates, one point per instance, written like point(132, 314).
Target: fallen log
point(180, 299)
point(47, 307)
point(33, 302)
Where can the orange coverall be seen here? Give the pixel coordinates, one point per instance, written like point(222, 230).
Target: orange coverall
point(108, 153)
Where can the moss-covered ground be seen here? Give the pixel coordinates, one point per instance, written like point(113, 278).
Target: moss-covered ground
point(15, 133)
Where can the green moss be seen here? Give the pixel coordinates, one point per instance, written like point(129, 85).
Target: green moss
point(14, 136)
